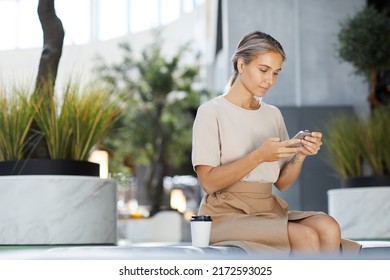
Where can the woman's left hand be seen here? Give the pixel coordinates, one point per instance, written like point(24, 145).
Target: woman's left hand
point(311, 144)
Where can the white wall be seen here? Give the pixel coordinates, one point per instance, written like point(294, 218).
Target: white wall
point(307, 29)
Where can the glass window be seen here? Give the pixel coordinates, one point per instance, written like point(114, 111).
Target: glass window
point(144, 14)
point(199, 2)
point(188, 6)
point(170, 10)
point(20, 26)
point(8, 23)
point(29, 30)
point(76, 19)
point(112, 19)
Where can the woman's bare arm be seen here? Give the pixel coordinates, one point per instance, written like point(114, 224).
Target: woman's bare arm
point(213, 179)
point(290, 171)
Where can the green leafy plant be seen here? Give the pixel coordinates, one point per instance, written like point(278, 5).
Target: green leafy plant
point(75, 128)
point(364, 41)
point(352, 142)
point(72, 128)
point(15, 121)
point(341, 139)
point(156, 132)
point(374, 138)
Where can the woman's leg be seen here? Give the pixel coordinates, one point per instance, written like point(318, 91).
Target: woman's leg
point(303, 239)
point(328, 231)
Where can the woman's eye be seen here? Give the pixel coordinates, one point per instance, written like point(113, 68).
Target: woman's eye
point(263, 70)
point(276, 73)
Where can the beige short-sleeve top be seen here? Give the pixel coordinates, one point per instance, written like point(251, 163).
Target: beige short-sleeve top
point(224, 132)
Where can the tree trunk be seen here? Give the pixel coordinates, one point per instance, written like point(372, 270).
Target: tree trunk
point(53, 39)
point(374, 102)
point(155, 175)
point(158, 176)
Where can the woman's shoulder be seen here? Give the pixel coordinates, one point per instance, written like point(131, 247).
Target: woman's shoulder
point(270, 108)
point(215, 101)
point(211, 105)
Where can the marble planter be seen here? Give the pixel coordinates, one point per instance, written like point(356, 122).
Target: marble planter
point(57, 210)
point(363, 213)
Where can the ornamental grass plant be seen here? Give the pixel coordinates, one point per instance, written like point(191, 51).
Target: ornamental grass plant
point(353, 142)
point(15, 121)
point(375, 141)
point(91, 115)
point(343, 147)
point(73, 125)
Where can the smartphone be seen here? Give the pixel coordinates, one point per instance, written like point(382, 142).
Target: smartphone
point(300, 135)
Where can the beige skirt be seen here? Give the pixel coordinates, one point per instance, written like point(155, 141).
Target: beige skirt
point(249, 216)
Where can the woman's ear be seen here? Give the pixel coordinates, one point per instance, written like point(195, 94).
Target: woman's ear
point(240, 64)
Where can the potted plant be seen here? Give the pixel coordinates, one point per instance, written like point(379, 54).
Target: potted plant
point(72, 128)
point(359, 148)
point(360, 153)
point(45, 142)
point(364, 41)
point(358, 145)
point(56, 201)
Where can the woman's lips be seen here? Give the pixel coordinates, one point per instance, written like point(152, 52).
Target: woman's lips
point(264, 89)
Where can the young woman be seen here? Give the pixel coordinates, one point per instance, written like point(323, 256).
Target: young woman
point(241, 148)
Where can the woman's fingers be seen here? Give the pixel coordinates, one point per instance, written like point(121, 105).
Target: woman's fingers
point(289, 147)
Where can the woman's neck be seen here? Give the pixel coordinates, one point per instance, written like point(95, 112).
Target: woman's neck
point(241, 97)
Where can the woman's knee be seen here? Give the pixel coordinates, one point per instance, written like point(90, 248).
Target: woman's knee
point(303, 238)
point(328, 232)
point(323, 224)
point(311, 238)
point(329, 227)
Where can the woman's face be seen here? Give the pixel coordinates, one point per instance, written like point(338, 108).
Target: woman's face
point(260, 74)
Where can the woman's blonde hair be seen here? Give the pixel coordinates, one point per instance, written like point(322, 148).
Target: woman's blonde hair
point(250, 46)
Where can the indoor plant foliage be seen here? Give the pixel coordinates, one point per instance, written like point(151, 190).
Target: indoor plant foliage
point(343, 146)
point(364, 42)
point(353, 143)
point(65, 201)
point(15, 120)
point(156, 132)
point(44, 134)
point(72, 126)
point(374, 138)
point(358, 146)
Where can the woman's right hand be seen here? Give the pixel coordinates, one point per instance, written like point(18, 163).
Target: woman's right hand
point(273, 149)
point(213, 179)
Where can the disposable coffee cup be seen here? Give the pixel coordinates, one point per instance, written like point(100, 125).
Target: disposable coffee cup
point(200, 230)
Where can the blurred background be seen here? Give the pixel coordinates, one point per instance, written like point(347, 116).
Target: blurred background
point(163, 58)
